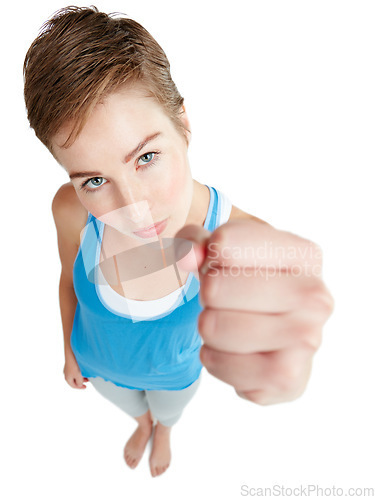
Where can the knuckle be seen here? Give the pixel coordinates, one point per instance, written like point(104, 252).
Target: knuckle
point(285, 375)
point(202, 322)
point(207, 289)
point(329, 302)
point(312, 338)
point(205, 324)
point(258, 397)
point(307, 334)
point(318, 299)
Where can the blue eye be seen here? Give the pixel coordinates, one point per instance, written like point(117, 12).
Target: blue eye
point(94, 184)
point(147, 158)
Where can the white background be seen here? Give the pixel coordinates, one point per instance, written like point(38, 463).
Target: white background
point(280, 96)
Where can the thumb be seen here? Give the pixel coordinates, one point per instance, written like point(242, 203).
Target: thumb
point(79, 382)
point(188, 238)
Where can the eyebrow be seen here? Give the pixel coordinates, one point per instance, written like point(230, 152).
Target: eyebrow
point(128, 157)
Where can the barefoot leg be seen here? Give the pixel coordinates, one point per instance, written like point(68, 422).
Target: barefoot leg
point(136, 444)
point(160, 457)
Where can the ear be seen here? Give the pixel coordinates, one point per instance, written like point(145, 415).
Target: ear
point(185, 120)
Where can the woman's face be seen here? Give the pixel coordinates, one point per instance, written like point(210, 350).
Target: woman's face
point(129, 165)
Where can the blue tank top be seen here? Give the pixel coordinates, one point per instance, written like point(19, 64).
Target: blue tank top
point(157, 353)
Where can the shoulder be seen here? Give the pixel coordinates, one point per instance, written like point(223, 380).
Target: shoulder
point(68, 212)
point(237, 213)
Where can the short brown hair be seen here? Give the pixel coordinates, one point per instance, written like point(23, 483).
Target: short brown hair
point(82, 55)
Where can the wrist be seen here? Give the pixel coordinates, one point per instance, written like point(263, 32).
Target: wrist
point(68, 351)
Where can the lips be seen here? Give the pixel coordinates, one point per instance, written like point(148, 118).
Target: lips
point(152, 230)
point(149, 227)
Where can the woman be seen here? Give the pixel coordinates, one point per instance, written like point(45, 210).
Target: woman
point(100, 97)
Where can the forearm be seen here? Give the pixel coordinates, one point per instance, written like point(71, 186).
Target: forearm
point(68, 303)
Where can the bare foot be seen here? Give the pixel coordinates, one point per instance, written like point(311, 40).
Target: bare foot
point(160, 457)
point(136, 444)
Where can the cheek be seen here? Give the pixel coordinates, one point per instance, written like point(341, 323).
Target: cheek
point(84, 202)
point(95, 207)
point(176, 185)
point(174, 190)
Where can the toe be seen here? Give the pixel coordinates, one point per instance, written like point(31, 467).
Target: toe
point(130, 461)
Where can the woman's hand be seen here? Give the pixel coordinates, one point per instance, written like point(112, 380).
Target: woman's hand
point(73, 373)
point(265, 305)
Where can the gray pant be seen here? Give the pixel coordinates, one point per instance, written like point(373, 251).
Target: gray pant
point(165, 406)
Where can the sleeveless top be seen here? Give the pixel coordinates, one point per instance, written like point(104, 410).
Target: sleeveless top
point(138, 344)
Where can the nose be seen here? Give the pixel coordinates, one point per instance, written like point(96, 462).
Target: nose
point(133, 203)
